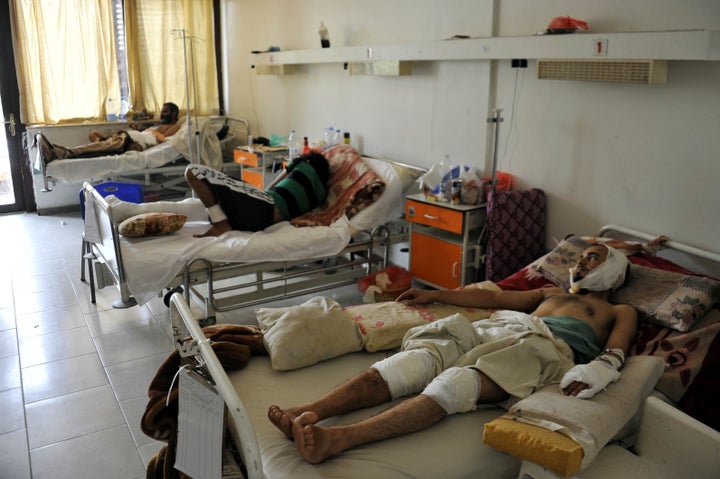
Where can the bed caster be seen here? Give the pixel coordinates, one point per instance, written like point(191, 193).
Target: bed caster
point(168, 295)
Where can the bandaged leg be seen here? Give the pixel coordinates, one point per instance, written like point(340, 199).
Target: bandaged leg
point(216, 214)
point(455, 390)
point(406, 372)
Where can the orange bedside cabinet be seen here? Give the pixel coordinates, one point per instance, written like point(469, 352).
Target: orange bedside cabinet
point(443, 241)
point(256, 161)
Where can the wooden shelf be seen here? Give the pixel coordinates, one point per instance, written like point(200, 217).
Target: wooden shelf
point(665, 45)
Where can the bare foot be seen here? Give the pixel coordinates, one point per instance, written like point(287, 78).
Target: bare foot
point(314, 443)
point(282, 419)
point(216, 229)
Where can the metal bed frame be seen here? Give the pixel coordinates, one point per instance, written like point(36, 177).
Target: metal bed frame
point(168, 181)
point(191, 341)
point(219, 287)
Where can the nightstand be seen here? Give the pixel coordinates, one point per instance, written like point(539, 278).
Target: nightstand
point(257, 161)
point(444, 250)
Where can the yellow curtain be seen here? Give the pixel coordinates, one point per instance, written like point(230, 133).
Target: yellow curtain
point(65, 74)
point(157, 55)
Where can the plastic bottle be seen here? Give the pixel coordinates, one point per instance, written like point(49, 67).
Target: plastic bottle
point(294, 145)
point(337, 138)
point(306, 146)
point(324, 37)
point(329, 136)
point(112, 109)
point(346, 138)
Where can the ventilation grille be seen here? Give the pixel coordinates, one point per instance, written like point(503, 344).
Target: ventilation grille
point(621, 71)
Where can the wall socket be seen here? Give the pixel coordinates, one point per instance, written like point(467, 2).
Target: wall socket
point(518, 63)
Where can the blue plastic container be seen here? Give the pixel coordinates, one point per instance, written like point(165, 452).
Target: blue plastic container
point(130, 192)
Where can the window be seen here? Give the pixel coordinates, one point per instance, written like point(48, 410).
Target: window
point(75, 56)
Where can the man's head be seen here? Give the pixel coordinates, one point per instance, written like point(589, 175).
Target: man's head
point(319, 163)
point(169, 113)
point(600, 268)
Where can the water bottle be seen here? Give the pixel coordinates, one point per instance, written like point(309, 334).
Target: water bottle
point(329, 136)
point(338, 138)
point(294, 145)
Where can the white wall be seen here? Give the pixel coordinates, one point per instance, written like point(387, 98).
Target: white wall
point(643, 156)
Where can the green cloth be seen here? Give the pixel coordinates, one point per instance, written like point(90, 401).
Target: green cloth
point(579, 335)
point(300, 191)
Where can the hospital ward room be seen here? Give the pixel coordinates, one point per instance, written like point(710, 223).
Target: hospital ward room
point(267, 239)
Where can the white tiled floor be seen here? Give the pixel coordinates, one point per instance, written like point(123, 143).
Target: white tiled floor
point(73, 375)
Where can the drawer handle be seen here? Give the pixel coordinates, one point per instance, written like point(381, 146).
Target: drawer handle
point(455, 270)
point(431, 217)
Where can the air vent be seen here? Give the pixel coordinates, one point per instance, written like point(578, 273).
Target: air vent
point(621, 71)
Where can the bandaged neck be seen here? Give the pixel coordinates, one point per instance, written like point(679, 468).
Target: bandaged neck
point(608, 276)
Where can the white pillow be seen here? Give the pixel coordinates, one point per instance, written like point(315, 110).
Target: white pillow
point(302, 335)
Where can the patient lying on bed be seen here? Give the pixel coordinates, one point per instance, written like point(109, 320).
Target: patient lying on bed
point(455, 364)
point(117, 143)
point(236, 205)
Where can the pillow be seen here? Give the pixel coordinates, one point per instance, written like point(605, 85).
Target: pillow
point(383, 325)
point(302, 335)
point(151, 224)
point(590, 423)
point(193, 208)
point(671, 299)
point(351, 188)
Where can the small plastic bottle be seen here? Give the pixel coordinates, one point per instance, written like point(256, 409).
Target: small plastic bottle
point(324, 37)
point(337, 138)
point(329, 136)
point(346, 138)
point(293, 145)
point(306, 146)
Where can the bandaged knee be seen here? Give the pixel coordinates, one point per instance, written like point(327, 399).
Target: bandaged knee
point(407, 372)
point(596, 374)
point(455, 390)
point(216, 214)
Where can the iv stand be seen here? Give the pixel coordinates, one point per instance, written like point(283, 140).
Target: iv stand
point(184, 37)
point(495, 119)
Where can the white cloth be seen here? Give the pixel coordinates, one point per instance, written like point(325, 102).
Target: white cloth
point(609, 275)
point(516, 350)
point(143, 138)
point(596, 374)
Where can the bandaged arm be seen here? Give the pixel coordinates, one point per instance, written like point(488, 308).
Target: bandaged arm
point(597, 374)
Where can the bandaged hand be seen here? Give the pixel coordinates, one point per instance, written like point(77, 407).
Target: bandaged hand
point(596, 375)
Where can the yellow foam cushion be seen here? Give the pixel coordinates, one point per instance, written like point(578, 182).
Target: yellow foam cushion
point(551, 450)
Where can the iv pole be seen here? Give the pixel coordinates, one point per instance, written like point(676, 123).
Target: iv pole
point(184, 37)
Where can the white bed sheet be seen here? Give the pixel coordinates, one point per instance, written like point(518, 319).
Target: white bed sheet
point(176, 147)
point(452, 448)
point(151, 263)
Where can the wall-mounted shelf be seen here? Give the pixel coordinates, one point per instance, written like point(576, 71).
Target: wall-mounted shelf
point(666, 45)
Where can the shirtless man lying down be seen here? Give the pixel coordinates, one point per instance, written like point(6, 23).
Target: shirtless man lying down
point(536, 337)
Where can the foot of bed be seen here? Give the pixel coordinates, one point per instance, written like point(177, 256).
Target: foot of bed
point(120, 304)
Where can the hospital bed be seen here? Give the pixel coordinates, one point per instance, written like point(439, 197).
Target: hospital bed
point(159, 168)
point(238, 268)
point(657, 418)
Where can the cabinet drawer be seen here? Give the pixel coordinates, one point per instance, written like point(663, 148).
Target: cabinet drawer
point(435, 216)
point(436, 261)
point(245, 157)
point(255, 178)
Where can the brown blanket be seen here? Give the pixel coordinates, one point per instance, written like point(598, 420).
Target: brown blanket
point(233, 345)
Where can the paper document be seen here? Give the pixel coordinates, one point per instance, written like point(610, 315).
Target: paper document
point(200, 427)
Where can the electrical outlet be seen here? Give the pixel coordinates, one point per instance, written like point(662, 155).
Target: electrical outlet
point(519, 63)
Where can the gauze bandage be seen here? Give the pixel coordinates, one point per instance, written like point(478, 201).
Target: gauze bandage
point(407, 372)
point(455, 390)
point(216, 214)
point(609, 275)
point(596, 374)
